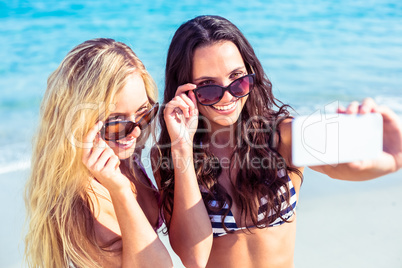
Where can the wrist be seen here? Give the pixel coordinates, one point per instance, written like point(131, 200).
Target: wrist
point(182, 149)
point(182, 158)
point(122, 194)
point(121, 187)
point(398, 161)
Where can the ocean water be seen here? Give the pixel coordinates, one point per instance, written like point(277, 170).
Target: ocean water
point(314, 52)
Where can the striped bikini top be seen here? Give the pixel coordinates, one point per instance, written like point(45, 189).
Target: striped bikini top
point(287, 210)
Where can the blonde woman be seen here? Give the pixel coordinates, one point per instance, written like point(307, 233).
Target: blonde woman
point(89, 200)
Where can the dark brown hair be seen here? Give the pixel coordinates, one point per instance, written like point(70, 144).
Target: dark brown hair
point(257, 136)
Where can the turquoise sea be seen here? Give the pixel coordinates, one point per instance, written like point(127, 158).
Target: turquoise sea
point(314, 52)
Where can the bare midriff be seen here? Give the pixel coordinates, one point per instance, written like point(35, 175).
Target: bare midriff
point(269, 247)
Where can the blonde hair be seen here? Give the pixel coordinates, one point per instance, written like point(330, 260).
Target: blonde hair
point(58, 206)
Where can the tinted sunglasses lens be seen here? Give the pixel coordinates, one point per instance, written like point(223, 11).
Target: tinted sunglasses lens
point(242, 86)
point(209, 94)
point(118, 130)
point(148, 117)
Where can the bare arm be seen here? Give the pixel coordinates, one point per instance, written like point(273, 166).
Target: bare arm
point(141, 245)
point(190, 230)
point(391, 157)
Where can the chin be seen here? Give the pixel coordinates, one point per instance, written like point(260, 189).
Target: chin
point(228, 119)
point(122, 153)
point(125, 155)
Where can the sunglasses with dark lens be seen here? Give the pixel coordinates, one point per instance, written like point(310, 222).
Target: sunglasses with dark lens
point(211, 94)
point(117, 130)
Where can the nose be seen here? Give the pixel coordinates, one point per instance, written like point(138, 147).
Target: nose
point(135, 133)
point(227, 97)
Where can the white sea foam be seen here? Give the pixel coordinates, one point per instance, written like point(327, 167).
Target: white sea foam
point(15, 166)
point(393, 102)
point(15, 157)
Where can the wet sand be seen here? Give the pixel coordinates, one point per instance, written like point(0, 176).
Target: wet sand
point(340, 224)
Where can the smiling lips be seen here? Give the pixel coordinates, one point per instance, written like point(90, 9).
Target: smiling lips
point(225, 107)
point(125, 143)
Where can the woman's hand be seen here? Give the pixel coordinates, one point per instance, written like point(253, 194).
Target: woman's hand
point(142, 248)
point(102, 162)
point(390, 159)
point(181, 116)
point(392, 132)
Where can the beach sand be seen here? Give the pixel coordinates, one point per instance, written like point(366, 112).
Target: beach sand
point(349, 224)
point(340, 224)
point(12, 208)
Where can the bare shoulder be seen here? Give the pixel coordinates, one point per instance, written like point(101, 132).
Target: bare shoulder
point(106, 226)
point(285, 140)
point(285, 149)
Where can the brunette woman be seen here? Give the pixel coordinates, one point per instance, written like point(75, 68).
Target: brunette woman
point(224, 160)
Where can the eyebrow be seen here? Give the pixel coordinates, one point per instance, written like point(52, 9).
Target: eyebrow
point(211, 77)
point(142, 106)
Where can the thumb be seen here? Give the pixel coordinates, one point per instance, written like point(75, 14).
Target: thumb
point(192, 97)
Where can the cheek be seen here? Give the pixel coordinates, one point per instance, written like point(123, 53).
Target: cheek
point(136, 132)
point(116, 150)
point(243, 101)
point(120, 152)
point(113, 146)
point(124, 154)
point(202, 110)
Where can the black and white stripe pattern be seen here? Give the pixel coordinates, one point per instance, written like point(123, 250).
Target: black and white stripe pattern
point(287, 210)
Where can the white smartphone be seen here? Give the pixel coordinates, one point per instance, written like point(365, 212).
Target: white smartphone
point(331, 139)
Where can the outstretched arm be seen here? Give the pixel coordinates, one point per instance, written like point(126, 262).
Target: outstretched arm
point(390, 159)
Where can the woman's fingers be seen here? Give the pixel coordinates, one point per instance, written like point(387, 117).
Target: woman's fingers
point(341, 110)
point(184, 88)
point(353, 108)
point(102, 162)
point(184, 100)
point(177, 102)
point(191, 96)
point(181, 115)
point(182, 91)
point(114, 162)
point(97, 150)
point(367, 106)
point(89, 140)
point(190, 102)
point(103, 159)
point(187, 104)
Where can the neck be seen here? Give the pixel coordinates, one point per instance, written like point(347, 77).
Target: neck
point(223, 137)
